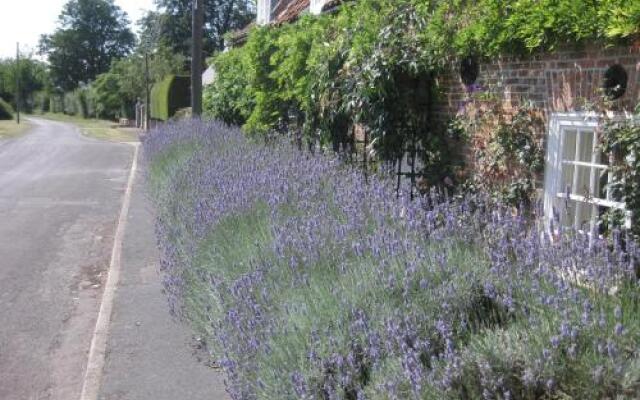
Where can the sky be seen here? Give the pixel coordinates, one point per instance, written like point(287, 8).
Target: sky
point(25, 20)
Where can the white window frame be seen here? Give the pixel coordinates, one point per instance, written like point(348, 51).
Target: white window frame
point(554, 193)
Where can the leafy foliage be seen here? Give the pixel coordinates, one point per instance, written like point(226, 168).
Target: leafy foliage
point(622, 140)
point(623, 18)
point(6, 111)
point(107, 89)
point(170, 25)
point(506, 149)
point(79, 102)
point(33, 75)
point(90, 35)
point(229, 97)
point(117, 90)
point(169, 95)
point(372, 66)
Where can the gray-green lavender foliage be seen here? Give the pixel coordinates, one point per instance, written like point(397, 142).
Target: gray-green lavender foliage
point(309, 282)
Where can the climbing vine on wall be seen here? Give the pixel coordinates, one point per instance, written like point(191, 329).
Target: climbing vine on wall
point(621, 139)
point(506, 152)
point(330, 75)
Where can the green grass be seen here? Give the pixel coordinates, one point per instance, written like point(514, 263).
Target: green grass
point(96, 128)
point(9, 129)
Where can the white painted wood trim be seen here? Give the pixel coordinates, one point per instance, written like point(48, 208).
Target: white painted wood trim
point(553, 159)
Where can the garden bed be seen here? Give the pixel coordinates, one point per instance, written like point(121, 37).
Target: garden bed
point(308, 281)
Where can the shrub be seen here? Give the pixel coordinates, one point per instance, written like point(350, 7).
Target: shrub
point(320, 64)
point(327, 76)
point(622, 140)
point(229, 97)
point(170, 95)
point(309, 281)
point(42, 102)
point(108, 95)
point(56, 103)
point(6, 111)
point(79, 102)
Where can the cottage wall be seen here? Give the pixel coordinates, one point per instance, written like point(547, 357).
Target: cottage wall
point(563, 81)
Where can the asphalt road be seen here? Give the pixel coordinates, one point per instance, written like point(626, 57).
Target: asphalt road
point(60, 198)
point(60, 195)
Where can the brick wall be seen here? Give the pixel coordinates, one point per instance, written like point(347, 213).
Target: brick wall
point(556, 82)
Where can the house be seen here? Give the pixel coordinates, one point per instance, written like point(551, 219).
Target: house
point(563, 85)
point(209, 76)
point(281, 11)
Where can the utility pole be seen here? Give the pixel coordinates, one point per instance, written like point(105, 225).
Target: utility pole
point(147, 106)
point(18, 82)
point(196, 58)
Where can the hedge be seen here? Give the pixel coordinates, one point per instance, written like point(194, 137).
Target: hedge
point(170, 95)
point(6, 111)
point(321, 68)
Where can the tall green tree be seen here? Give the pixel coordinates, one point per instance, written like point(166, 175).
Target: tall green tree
point(170, 25)
point(89, 36)
point(34, 77)
point(117, 90)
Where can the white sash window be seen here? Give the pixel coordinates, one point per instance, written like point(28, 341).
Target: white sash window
point(577, 173)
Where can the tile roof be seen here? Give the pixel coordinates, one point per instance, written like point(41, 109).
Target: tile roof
point(289, 10)
point(284, 11)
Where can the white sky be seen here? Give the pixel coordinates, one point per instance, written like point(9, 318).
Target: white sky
point(25, 20)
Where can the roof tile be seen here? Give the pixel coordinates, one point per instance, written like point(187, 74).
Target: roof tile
point(289, 10)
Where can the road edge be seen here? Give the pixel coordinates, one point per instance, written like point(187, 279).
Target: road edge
point(97, 351)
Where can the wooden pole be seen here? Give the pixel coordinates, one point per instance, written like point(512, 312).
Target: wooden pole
point(147, 105)
point(196, 58)
point(18, 82)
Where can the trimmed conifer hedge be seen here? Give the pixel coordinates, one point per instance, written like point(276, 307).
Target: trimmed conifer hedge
point(169, 95)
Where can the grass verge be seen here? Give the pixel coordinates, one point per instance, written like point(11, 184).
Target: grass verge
point(9, 129)
point(96, 128)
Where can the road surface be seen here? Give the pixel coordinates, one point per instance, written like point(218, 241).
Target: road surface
point(60, 199)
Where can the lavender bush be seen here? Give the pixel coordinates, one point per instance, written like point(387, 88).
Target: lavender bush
point(308, 282)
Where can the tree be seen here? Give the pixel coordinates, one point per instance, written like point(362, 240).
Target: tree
point(90, 35)
point(34, 77)
point(116, 91)
point(170, 26)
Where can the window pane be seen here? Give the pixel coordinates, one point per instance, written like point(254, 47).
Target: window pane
point(586, 213)
point(578, 184)
point(578, 214)
point(583, 175)
point(567, 178)
point(586, 146)
point(569, 145)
